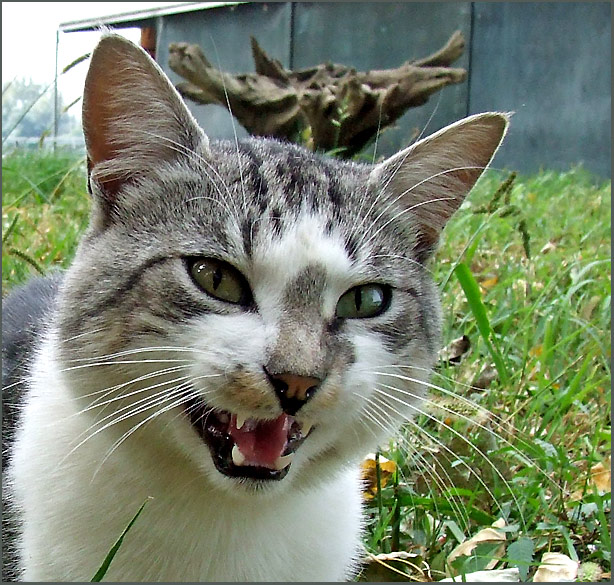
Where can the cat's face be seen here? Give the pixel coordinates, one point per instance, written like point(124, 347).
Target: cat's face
point(246, 309)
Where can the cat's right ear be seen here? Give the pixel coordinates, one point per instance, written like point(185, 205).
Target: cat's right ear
point(133, 117)
point(431, 178)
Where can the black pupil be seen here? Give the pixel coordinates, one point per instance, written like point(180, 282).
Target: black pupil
point(358, 298)
point(217, 278)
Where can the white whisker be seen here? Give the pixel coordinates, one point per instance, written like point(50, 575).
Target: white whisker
point(184, 394)
point(384, 408)
point(128, 411)
point(402, 195)
point(424, 129)
point(139, 350)
point(124, 362)
point(465, 440)
point(106, 391)
point(526, 461)
point(99, 402)
point(234, 127)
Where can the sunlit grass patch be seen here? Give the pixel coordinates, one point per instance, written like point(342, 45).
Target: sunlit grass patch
point(45, 208)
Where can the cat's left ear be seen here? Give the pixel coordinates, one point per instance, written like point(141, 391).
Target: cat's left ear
point(432, 177)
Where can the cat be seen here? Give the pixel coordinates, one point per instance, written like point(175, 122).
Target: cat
point(219, 347)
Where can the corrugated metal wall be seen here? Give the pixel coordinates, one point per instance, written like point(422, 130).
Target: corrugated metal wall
point(548, 62)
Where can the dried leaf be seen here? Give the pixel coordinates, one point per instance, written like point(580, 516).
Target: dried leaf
point(369, 474)
point(556, 567)
point(488, 283)
point(588, 309)
point(454, 352)
point(600, 477)
point(498, 576)
point(536, 351)
point(549, 247)
point(486, 535)
point(486, 377)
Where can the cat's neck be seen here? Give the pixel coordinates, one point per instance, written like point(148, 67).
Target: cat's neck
point(228, 535)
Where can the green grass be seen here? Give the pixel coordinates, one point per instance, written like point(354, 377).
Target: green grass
point(527, 279)
point(524, 270)
point(45, 209)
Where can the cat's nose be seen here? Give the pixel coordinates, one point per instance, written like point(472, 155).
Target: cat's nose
point(292, 390)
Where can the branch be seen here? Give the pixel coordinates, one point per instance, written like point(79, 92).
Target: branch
point(341, 107)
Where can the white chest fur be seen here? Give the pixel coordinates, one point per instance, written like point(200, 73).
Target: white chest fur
point(188, 531)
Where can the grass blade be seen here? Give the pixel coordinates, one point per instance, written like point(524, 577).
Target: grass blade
point(102, 571)
point(27, 258)
point(474, 298)
point(7, 233)
point(76, 62)
point(26, 112)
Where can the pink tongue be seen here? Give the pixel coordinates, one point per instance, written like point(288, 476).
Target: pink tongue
point(261, 442)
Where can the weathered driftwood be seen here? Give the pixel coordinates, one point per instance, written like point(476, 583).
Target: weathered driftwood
point(329, 106)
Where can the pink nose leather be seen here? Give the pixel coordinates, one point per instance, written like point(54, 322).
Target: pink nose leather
point(298, 386)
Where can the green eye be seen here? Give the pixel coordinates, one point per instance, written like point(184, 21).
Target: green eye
point(221, 281)
point(360, 302)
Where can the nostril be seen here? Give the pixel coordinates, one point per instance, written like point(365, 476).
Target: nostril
point(310, 392)
point(293, 390)
point(279, 385)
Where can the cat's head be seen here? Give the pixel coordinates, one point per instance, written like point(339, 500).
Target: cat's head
point(250, 311)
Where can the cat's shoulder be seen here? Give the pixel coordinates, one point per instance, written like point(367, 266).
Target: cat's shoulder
point(27, 306)
point(26, 310)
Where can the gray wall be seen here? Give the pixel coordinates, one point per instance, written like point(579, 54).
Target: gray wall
point(550, 63)
point(382, 35)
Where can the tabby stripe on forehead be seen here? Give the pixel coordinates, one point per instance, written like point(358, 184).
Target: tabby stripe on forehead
point(334, 193)
point(254, 174)
point(305, 290)
point(296, 180)
point(247, 233)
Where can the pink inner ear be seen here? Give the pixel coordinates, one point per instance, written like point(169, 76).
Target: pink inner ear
point(133, 118)
point(95, 127)
point(101, 86)
point(120, 77)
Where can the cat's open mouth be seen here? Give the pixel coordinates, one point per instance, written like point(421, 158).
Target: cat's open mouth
point(246, 447)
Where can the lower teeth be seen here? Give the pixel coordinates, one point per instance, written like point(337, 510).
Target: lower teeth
point(281, 462)
point(237, 457)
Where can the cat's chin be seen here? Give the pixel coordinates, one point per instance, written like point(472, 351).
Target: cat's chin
point(246, 448)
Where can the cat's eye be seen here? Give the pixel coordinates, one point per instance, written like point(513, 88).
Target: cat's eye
point(221, 280)
point(367, 300)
